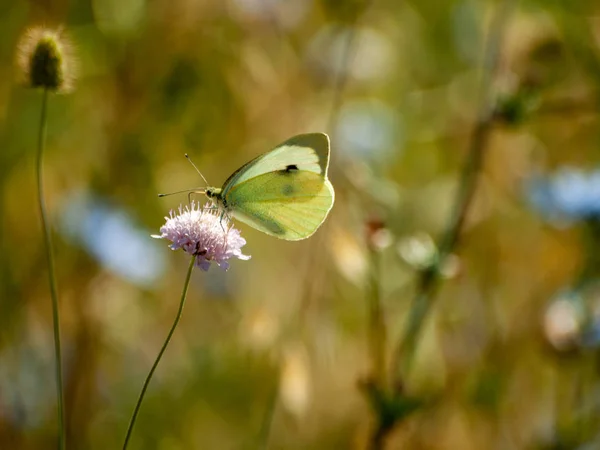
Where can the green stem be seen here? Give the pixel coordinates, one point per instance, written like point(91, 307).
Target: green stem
point(405, 350)
point(162, 350)
point(267, 423)
point(51, 272)
point(377, 328)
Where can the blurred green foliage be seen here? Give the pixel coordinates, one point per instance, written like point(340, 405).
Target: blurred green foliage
point(270, 354)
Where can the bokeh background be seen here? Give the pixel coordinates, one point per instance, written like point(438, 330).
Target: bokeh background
point(272, 353)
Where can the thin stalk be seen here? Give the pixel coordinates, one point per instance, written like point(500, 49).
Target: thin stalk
point(377, 335)
point(377, 328)
point(162, 350)
point(267, 422)
point(429, 280)
point(341, 77)
point(51, 271)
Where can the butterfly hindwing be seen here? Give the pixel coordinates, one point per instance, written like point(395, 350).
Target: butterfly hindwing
point(289, 204)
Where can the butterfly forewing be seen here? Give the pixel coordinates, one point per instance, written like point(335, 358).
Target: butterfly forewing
point(284, 192)
point(305, 152)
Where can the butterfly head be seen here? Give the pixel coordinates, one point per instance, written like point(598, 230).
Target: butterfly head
point(214, 194)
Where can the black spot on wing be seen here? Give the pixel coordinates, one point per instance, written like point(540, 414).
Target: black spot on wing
point(290, 170)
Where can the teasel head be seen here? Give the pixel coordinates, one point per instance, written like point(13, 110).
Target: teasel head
point(45, 60)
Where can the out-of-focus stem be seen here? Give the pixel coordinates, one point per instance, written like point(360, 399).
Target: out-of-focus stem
point(377, 328)
point(265, 429)
point(428, 283)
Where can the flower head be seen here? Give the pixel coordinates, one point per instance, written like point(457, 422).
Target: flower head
point(45, 60)
point(203, 232)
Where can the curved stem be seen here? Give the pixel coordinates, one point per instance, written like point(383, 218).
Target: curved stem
point(51, 271)
point(162, 350)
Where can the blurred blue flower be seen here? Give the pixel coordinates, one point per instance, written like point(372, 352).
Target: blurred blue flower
point(568, 196)
point(110, 235)
point(591, 335)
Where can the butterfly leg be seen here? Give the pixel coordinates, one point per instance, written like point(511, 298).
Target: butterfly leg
point(225, 231)
point(221, 221)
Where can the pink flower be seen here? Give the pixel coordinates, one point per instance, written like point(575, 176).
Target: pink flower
point(204, 233)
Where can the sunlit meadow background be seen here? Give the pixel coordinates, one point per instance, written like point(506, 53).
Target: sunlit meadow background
point(270, 353)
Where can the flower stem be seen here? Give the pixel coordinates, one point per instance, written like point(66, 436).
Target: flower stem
point(162, 350)
point(51, 272)
point(377, 326)
point(267, 422)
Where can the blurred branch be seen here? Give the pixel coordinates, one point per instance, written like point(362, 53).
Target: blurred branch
point(429, 279)
point(267, 422)
point(341, 78)
point(391, 406)
point(389, 410)
point(377, 330)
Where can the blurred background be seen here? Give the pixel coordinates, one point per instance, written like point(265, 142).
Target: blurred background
point(271, 353)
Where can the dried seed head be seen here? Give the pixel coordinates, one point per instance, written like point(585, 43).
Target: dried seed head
point(45, 60)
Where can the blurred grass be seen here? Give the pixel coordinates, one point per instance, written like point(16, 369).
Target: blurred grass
point(225, 81)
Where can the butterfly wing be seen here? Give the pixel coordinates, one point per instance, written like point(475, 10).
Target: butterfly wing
point(305, 152)
point(289, 205)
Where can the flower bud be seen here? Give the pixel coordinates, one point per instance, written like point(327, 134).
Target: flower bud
point(378, 236)
point(45, 60)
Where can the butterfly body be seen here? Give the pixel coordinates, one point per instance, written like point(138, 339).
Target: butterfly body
point(284, 192)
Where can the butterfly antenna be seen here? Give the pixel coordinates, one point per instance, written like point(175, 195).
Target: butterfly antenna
point(194, 190)
point(194, 166)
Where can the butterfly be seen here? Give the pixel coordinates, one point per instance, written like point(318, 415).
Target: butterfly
point(285, 192)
